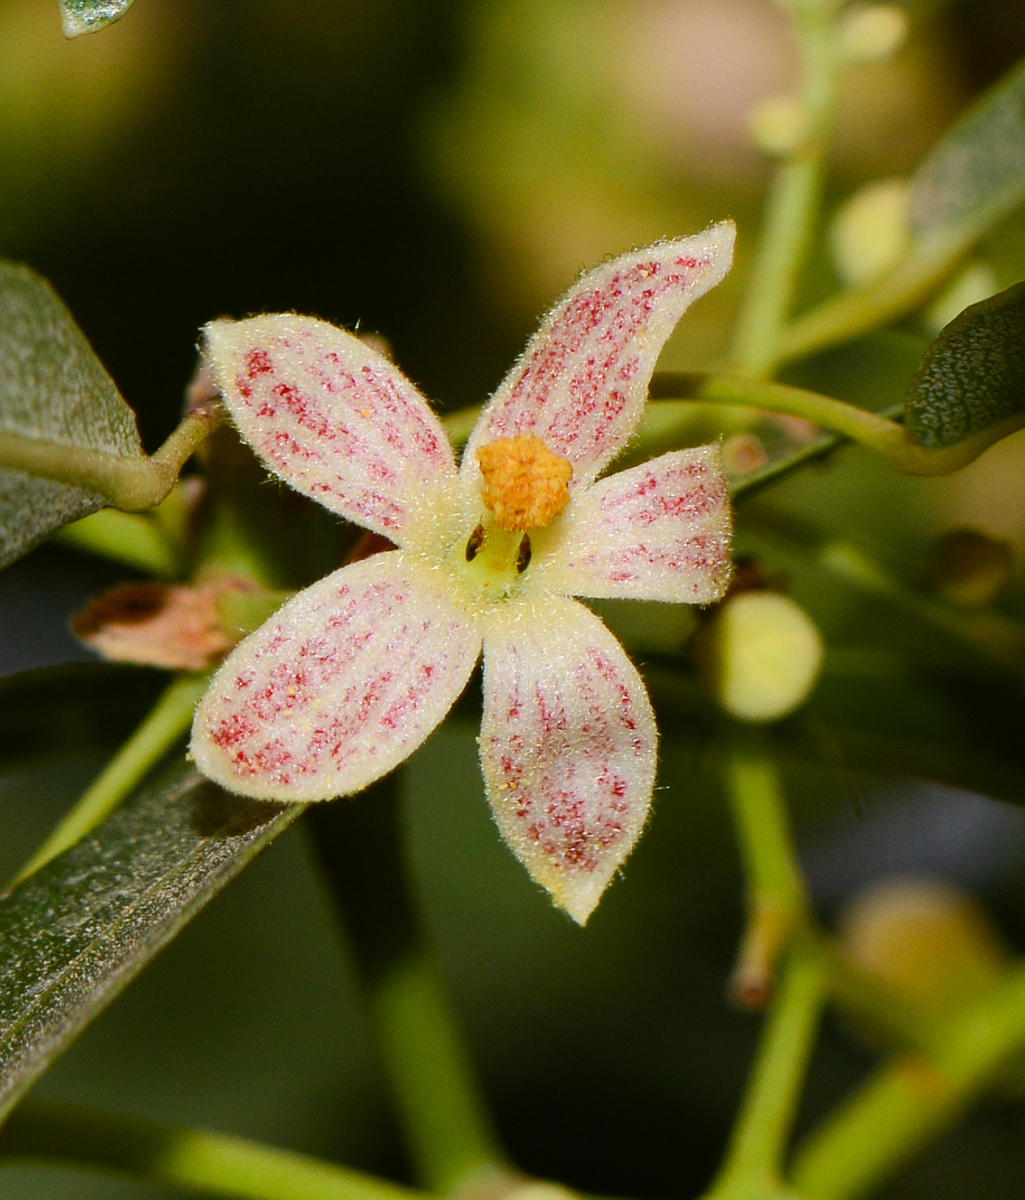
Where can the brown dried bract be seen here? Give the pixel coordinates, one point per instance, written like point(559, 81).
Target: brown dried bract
point(160, 625)
point(526, 486)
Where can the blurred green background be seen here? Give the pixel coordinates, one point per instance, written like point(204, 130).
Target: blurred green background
point(439, 172)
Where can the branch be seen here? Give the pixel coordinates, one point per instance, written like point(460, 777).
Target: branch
point(166, 723)
point(793, 198)
point(886, 438)
point(211, 1163)
point(131, 484)
point(911, 1099)
point(758, 1143)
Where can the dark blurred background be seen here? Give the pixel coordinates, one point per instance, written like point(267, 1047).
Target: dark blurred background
point(439, 172)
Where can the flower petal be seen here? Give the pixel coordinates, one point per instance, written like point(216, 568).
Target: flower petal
point(660, 531)
point(581, 383)
point(338, 687)
point(330, 416)
point(567, 748)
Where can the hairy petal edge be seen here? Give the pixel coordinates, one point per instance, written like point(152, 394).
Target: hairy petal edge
point(567, 747)
point(331, 417)
point(338, 687)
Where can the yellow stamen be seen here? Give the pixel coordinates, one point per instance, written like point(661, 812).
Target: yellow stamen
point(526, 486)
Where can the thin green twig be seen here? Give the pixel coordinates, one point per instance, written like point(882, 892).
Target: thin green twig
point(754, 1160)
point(776, 893)
point(876, 432)
point(212, 1164)
point(861, 309)
point(131, 484)
point(166, 723)
point(438, 1098)
point(911, 1099)
point(669, 421)
point(132, 539)
point(793, 200)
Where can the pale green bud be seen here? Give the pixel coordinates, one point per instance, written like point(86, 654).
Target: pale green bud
point(872, 32)
point(976, 282)
point(765, 655)
point(778, 124)
point(927, 941)
point(870, 233)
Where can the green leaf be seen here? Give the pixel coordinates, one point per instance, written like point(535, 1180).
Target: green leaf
point(975, 174)
point(973, 375)
point(76, 706)
point(88, 16)
point(950, 727)
point(874, 715)
point(53, 389)
point(79, 930)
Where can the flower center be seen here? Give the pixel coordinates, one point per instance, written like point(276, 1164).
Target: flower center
point(494, 559)
point(526, 486)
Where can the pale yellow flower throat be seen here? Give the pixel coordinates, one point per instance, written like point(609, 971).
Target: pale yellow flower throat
point(525, 487)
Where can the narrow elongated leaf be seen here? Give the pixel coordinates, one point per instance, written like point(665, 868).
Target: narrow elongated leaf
point(975, 174)
point(955, 729)
point(76, 706)
point(74, 934)
point(88, 16)
point(973, 375)
point(880, 718)
point(53, 389)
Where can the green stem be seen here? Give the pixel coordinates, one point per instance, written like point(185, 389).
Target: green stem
point(168, 721)
point(776, 893)
point(213, 1164)
point(999, 638)
point(878, 433)
point(132, 484)
point(437, 1096)
point(668, 421)
point(908, 1101)
point(754, 1160)
point(130, 538)
point(859, 310)
point(793, 200)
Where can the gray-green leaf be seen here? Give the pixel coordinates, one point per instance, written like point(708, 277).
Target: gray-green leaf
point(53, 389)
point(74, 934)
point(973, 375)
point(87, 16)
point(975, 174)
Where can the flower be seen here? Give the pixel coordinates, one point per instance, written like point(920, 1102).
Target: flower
point(351, 676)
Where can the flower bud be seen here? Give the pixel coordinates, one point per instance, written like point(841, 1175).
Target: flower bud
point(976, 282)
point(968, 568)
point(764, 655)
point(777, 124)
point(870, 233)
point(930, 943)
point(872, 32)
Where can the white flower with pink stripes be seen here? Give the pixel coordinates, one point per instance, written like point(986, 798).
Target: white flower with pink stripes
point(349, 678)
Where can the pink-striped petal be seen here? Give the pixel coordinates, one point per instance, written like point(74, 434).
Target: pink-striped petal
point(330, 416)
point(581, 383)
point(660, 531)
point(567, 748)
point(338, 687)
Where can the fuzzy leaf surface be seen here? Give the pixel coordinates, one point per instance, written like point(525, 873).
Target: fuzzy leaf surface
point(89, 16)
point(973, 375)
point(76, 933)
point(53, 389)
point(975, 173)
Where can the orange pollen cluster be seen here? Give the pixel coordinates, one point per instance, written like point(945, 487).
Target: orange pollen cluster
point(526, 486)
